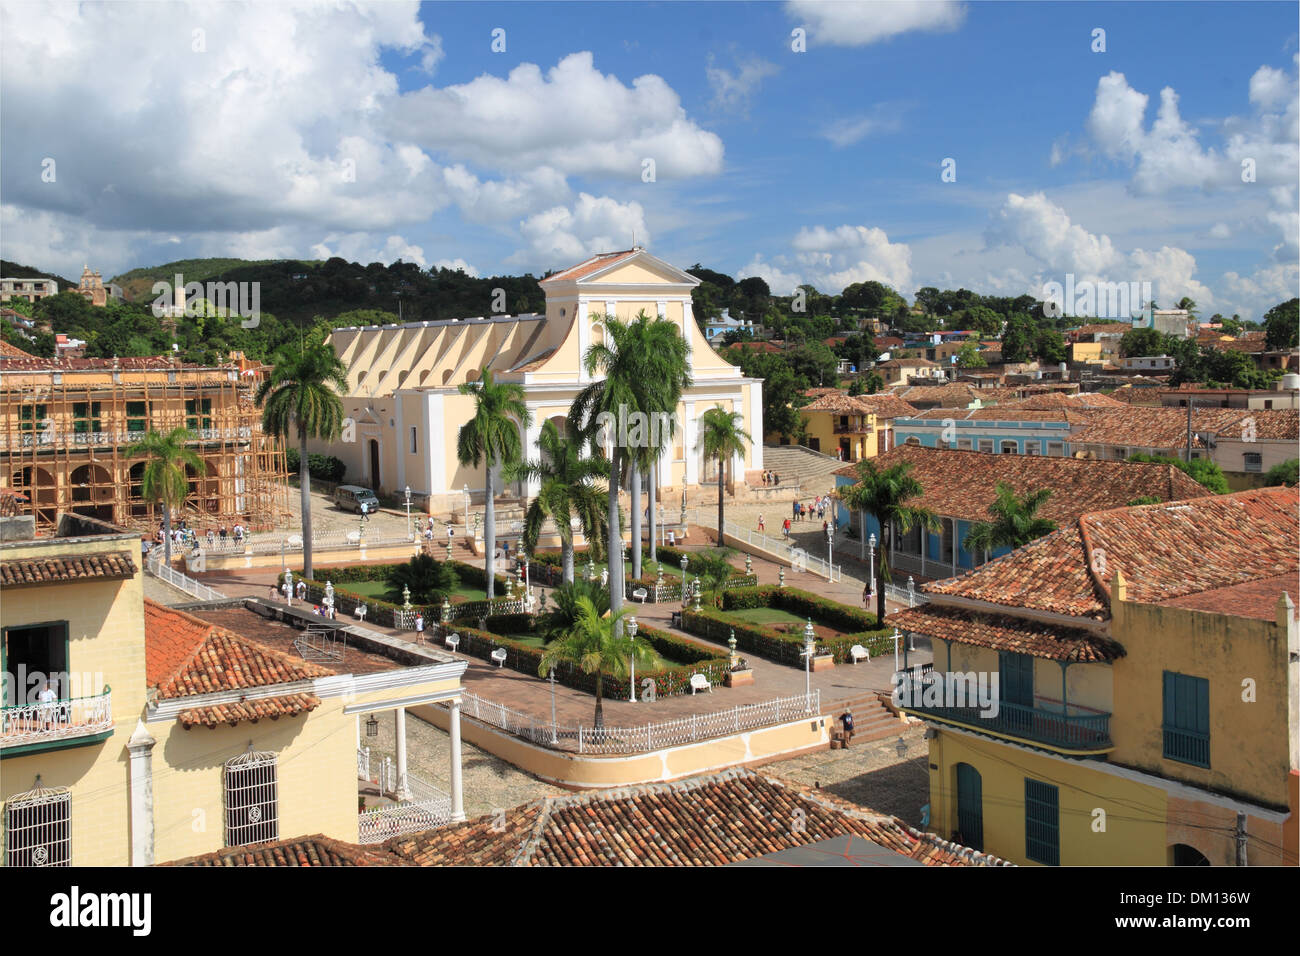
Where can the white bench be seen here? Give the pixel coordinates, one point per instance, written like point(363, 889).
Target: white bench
point(452, 641)
point(499, 656)
point(641, 594)
point(700, 682)
point(859, 653)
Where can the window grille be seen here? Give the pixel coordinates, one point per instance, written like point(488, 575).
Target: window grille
point(251, 799)
point(38, 828)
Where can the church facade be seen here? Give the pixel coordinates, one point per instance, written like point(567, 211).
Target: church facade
point(406, 410)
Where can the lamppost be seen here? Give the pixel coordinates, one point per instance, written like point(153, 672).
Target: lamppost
point(466, 492)
point(871, 572)
point(830, 542)
point(329, 599)
point(895, 650)
point(685, 561)
point(554, 739)
point(631, 633)
point(911, 603)
point(528, 584)
point(446, 616)
point(408, 512)
point(809, 643)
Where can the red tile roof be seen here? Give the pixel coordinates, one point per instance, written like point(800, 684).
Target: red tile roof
point(185, 656)
point(1103, 328)
point(881, 405)
point(709, 820)
point(1257, 599)
point(1142, 427)
point(63, 568)
point(314, 850)
point(594, 264)
point(962, 484)
point(10, 351)
point(1164, 551)
point(952, 395)
point(1003, 632)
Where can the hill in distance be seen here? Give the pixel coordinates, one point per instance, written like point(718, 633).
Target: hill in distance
point(137, 284)
point(12, 270)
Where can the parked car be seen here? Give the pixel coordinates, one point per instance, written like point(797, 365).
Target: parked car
point(352, 497)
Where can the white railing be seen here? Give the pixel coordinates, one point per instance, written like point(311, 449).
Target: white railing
point(39, 437)
point(427, 807)
point(643, 738)
point(177, 580)
point(77, 717)
point(800, 559)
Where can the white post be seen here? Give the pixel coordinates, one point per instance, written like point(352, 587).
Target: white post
point(403, 788)
point(140, 747)
point(457, 797)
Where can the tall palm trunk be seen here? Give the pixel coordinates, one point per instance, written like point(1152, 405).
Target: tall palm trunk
point(720, 465)
point(489, 534)
point(614, 547)
point(600, 687)
point(304, 480)
point(636, 521)
point(566, 558)
point(167, 534)
point(654, 521)
point(880, 575)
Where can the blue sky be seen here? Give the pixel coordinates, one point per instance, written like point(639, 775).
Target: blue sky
point(394, 130)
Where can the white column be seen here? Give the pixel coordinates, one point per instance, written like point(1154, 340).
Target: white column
point(457, 796)
point(403, 441)
point(403, 788)
point(688, 447)
point(140, 748)
point(756, 427)
point(661, 308)
point(438, 471)
point(688, 320)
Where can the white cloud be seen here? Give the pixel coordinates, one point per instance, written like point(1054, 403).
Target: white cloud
point(862, 22)
point(1251, 296)
point(457, 264)
point(733, 91)
point(573, 119)
point(565, 235)
point(831, 259)
point(884, 118)
point(1220, 230)
point(357, 247)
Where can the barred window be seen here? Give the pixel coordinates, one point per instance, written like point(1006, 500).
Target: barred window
point(250, 794)
point(38, 829)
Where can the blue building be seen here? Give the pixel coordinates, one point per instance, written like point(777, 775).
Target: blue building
point(993, 430)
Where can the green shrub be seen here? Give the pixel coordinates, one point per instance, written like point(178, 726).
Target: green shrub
point(324, 467)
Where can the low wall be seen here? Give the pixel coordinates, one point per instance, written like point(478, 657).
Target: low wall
point(586, 772)
point(226, 562)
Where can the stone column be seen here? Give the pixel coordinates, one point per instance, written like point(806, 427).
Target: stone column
point(140, 748)
point(403, 788)
point(457, 796)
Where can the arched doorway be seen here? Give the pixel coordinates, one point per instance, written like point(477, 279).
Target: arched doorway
point(374, 464)
point(970, 807)
point(1180, 854)
point(39, 487)
point(92, 490)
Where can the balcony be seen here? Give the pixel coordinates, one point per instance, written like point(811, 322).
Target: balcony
point(1076, 730)
point(71, 722)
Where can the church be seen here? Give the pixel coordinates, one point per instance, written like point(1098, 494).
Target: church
point(405, 409)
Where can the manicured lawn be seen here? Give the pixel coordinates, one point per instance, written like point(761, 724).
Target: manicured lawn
point(377, 589)
point(766, 615)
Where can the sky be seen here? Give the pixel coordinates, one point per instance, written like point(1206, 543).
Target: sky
point(994, 146)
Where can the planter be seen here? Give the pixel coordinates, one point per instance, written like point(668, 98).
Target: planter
point(823, 662)
point(739, 678)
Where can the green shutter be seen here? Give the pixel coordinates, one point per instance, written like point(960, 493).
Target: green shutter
point(1042, 822)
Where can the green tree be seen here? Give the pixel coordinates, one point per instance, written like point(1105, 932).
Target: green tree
point(1189, 304)
point(1015, 521)
point(874, 383)
point(301, 397)
point(566, 491)
point(429, 581)
point(1142, 342)
point(596, 643)
point(722, 437)
point(1202, 470)
point(968, 356)
point(883, 494)
point(1281, 325)
point(1285, 473)
point(491, 437)
point(164, 479)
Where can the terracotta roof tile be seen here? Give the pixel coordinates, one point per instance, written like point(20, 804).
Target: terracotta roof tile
point(962, 484)
point(952, 395)
point(1143, 427)
point(1003, 632)
point(263, 708)
point(314, 850)
point(1257, 599)
point(594, 264)
point(63, 568)
point(1164, 552)
point(10, 351)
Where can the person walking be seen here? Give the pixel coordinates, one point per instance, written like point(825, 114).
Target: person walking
point(419, 628)
point(761, 526)
point(785, 528)
point(847, 720)
point(794, 510)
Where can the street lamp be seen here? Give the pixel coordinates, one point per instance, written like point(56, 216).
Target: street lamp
point(372, 726)
point(466, 491)
point(809, 643)
point(685, 561)
point(830, 542)
point(911, 603)
point(895, 651)
point(446, 616)
point(408, 511)
point(631, 632)
point(871, 572)
point(554, 738)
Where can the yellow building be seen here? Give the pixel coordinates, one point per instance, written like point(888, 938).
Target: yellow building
point(134, 734)
point(852, 427)
point(1137, 699)
point(403, 380)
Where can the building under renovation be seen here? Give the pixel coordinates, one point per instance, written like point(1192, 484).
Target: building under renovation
point(66, 426)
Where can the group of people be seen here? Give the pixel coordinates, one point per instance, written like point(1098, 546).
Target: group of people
point(799, 511)
point(771, 478)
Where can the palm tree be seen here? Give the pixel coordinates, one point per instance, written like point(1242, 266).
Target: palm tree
point(884, 494)
point(644, 369)
point(722, 437)
point(1015, 522)
point(301, 396)
point(597, 644)
point(164, 479)
point(492, 435)
point(566, 491)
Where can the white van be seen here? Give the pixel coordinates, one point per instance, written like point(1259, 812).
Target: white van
point(352, 497)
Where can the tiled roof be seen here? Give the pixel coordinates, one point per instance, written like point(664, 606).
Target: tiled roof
point(886, 342)
point(962, 484)
point(1008, 413)
point(62, 568)
point(1114, 328)
point(185, 656)
point(1257, 599)
point(315, 850)
point(882, 406)
point(1164, 551)
point(1132, 395)
point(909, 363)
point(1142, 427)
point(1050, 400)
point(82, 364)
point(709, 820)
point(10, 351)
point(953, 395)
point(594, 264)
point(1002, 632)
point(534, 363)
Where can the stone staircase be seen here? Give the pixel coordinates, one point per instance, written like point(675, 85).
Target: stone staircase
point(795, 464)
point(872, 720)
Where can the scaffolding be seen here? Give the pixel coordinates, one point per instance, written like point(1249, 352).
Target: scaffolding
point(66, 427)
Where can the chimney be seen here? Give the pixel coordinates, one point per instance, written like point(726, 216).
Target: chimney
point(1118, 587)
